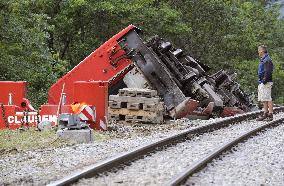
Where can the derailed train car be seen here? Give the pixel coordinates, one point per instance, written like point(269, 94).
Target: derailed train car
point(181, 80)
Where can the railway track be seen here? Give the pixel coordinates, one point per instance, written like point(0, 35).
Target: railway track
point(201, 163)
point(171, 153)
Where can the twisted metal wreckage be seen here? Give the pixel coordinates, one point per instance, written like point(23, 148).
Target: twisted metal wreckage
point(181, 82)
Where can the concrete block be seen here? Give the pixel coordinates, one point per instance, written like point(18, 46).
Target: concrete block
point(114, 104)
point(114, 117)
point(80, 136)
point(150, 107)
point(44, 125)
point(136, 92)
point(127, 92)
point(125, 112)
point(123, 92)
point(135, 118)
point(133, 106)
point(128, 99)
point(149, 93)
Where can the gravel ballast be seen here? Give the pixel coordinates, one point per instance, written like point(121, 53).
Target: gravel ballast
point(39, 167)
point(161, 166)
point(258, 161)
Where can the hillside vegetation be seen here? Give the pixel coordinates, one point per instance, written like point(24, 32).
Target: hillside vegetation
point(41, 40)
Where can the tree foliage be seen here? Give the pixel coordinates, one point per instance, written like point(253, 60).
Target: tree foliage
point(43, 39)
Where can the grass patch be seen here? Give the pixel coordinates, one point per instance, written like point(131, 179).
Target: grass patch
point(13, 141)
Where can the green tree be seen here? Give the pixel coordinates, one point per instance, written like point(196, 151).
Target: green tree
point(77, 27)
point(23, 49)
point(40, 40)
point(226, 34)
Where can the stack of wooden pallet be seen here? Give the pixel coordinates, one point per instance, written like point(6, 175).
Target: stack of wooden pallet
point(136, 105)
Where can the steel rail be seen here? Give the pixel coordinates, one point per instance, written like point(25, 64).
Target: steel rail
point(126, 157)
point(201, 163)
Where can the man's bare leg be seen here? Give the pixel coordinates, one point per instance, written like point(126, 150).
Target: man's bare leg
point(265, 106)
point(270, 106)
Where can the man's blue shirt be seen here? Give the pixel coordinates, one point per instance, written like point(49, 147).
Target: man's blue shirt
point(265, 69)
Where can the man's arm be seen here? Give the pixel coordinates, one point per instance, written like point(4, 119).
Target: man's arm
point(268, 68)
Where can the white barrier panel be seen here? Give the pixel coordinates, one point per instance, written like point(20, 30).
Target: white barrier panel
point(31, 118)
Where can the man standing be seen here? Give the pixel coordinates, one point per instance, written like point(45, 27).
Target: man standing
point(265, 70)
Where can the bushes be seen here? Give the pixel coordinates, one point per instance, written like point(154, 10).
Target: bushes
point(41, 40)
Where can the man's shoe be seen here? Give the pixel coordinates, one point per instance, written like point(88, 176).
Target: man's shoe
point(269, 117)
point(263, 117)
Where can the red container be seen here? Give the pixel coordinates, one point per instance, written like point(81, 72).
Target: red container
point(18, 89)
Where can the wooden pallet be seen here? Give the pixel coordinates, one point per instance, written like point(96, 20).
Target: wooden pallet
point(135, 116)
point(135, 92)
point(136, 105)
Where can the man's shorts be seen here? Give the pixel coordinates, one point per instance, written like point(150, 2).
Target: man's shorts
point(264, 91)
